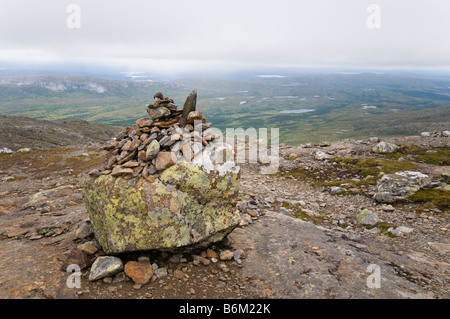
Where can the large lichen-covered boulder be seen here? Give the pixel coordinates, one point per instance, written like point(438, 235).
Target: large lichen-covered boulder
point(398, 186)
point(186, 207)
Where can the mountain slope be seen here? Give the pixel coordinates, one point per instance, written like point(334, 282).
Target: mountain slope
point(18, 132)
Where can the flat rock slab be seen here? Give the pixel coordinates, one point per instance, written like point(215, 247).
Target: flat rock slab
point(290, 258)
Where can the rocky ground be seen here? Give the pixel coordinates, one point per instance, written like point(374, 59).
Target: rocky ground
point(299, 236)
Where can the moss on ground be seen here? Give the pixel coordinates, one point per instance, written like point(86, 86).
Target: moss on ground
point(373, 167)
point(434, 156)
point(432, 198)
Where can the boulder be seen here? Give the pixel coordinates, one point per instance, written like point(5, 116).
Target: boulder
point(367, 217)
point(186, 207)
point(320, 156)
point(384, 147)
point(399, 186)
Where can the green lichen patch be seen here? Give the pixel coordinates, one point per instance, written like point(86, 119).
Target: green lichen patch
point(167, 214)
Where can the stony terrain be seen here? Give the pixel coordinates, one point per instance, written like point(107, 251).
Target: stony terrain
point(299, 236)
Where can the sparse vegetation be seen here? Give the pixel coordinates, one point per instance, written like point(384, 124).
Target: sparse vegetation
point(432, 198)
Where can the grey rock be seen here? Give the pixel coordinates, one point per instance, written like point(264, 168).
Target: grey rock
point(384, 147)
point(84, 230)
point(104, 267)
point(398, 186)
point(339, 271)
point(367, 217)
point(284, 211)
point(160, 272)
point(336, 189)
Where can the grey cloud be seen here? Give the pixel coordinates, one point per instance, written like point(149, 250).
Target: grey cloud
point(228, 34)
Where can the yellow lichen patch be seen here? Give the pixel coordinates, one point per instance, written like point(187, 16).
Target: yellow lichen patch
point(136, 214)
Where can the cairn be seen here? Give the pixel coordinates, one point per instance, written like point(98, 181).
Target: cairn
point(165, 184)
point(155, 143)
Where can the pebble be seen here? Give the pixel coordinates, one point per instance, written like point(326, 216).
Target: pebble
point(226, 255)
point(178, 274)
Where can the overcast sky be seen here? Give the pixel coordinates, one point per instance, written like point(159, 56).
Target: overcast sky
point(218, 35)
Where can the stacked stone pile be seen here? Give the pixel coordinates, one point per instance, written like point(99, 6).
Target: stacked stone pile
point(169, 183)
point(155, 143)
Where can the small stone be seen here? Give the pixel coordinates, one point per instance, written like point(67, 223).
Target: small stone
point(367, 217)
point(88, 248)
point(211, 253)
point(334, 190)
point(404, 230)
point(178, 274)
point(236, 255)
point(284, 211)
point(164, 160)
point(85, 230)
point(139, 272)
point(153, 150)
point(107, 280)
point(226, 255)
point(320, 156)
point(105, 266)
point(160, 272)
point(388, 208)
point(204, 261)
point(195, 116)
point(252, 212)
point(120, 171)
point(77, 257)
point(144, 259)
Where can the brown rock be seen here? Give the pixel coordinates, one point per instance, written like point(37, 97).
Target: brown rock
point(120, 171)
point(187, 151)
point(139, 272)
point(195, 116)
point(211, 253)
point(144, 122)
point(166, 124)
point(78, 257)
point(142, 155)
point(111, 161)
point(158, 96)
point(188, 107)
point(204, 261)
point(178, 274)
point(131, 164)
point(127, 146)
point(252, 212)
point(127, 157)
point(226, 255)
point(164, 160)
point(87, 248)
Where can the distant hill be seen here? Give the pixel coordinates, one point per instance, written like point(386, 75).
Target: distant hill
point(341, 105)
point(18, 132)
